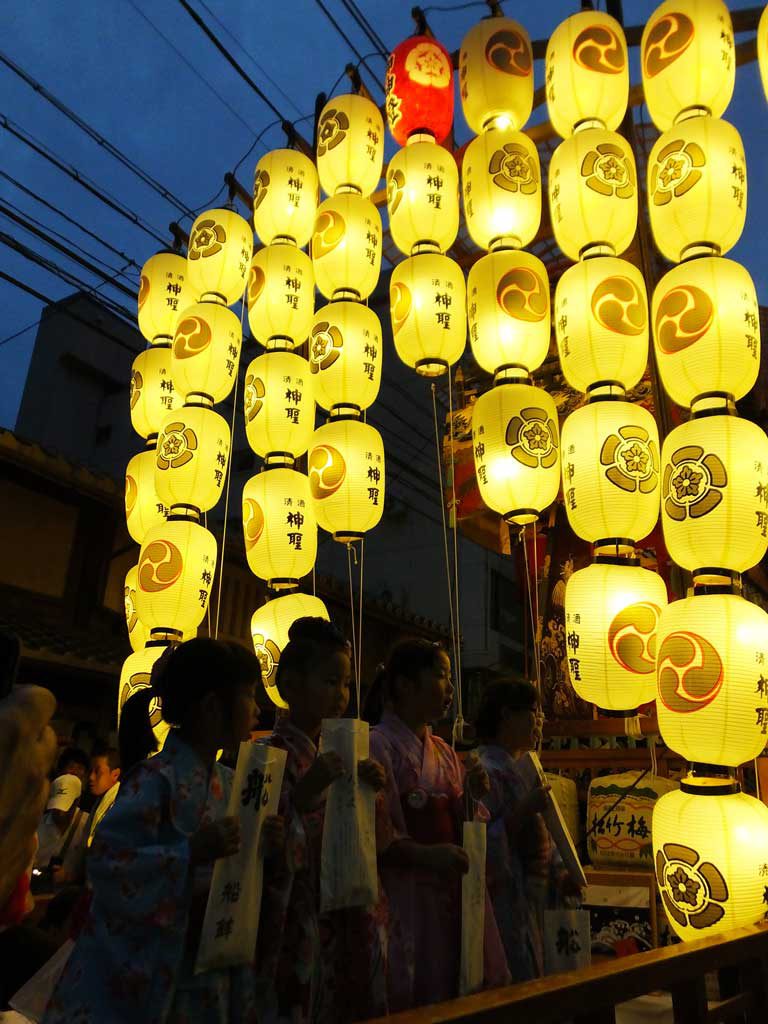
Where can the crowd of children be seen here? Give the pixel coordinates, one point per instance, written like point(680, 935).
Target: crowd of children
point(151, 857)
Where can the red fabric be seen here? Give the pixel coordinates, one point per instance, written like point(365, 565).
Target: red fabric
point(433, 823)
point(16, 907)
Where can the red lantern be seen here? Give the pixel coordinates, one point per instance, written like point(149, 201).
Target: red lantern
point(419, 89)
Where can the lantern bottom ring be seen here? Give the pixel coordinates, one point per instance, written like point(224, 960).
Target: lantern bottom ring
point(201, 400)
point(511, 373)
point(346, 295)
point(727, 408)
point(283, 240)
point(283, 583)
point(714, 579)
point(431, 367)
point(626, 714)
point(161, 635)
point(184, 514)
point(346, 537)
point(280, 343)
point(725, 789)
point(697, 249)
point(162, 339)
point(151, 440)
point(688, 113)
point(275, 459)
point(215, 297)
point(344, 411)
point(593, 249)
point(616, 545)
point(627, 559)
point(522, 516)
point(503, 243)
point(594, 390)
point(424, 246)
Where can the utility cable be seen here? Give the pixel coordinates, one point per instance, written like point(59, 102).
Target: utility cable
point(93, 134)
point(367, 28)
point(112, 202)
point(347, 40)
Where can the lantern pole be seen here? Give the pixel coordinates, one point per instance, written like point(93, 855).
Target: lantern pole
point(180, 236)
point(420, 20)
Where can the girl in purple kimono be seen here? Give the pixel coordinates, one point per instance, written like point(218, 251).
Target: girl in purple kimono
point(151, 861)
point(426, 804)
point(329, 968)
point(525, 873)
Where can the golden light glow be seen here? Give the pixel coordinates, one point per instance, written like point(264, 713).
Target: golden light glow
point(279, 526)
point(350, 144)
point(508, 310)
point(152, 393)
point(427, 305)
point(610, 464)
point(192, 457)
point(163, 295)
point(219, 255)
point(516, 449)
point(587, 72)
point(281, 296)
point(135, 675)
point(206, 351)
point(143, 508)
point(611, 621)
point(709, 853)
point(714, 493)
point(501, 187)
point(269, 632)
point(345, 353)
point(138, 633)
point(346, 245)
point(347, 478)
point(279, 403)
point(496, 74)
point(423, 196)
point(285, 193)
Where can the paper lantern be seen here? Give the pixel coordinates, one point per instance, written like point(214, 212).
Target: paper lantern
point(143, 508)
point(419, 88)
point(346, 246)
point(611, 471)
point(279, 527)
point(688, 60)
point(710, 853)
point(516, 448)
point(191, 459)
point(501, 185)
point(587, 72)
point(163, 294)
point(601, 323)
point(285, 192)
point(762, 49)
point(427, 305)
point(219, 255)
point(593, 193)
point(152, 393)
point(138, 633)
point(611, 620)
point(714, 493)
point(279, 404)
point(697, 188)
point(496, 74)
point(712, 698)
point(345, 351)
point(350, 145)
point(706, 329)
point(136, 675)
point(269, 632)
point(423, 196)
point(347, 477)
point(206, 352)
point(508, 310)
point(281, 296)
point(177, 565)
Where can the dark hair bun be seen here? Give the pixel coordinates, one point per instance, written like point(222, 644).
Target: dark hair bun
point(312, 629)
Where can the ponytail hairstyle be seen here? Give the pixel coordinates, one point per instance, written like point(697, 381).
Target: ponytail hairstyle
point(406, 660)
point(310, 638)
point(504, 695)
point(185, 674)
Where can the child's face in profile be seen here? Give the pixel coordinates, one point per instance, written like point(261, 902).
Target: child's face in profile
point(433, 691)
point(323, 690)
point(243, 717)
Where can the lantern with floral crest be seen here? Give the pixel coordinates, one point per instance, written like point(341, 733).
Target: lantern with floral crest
point(219, 256)
point(269, 631)
point(419, 89)
point(345, 353)
point(350, 145)
point(191, 458)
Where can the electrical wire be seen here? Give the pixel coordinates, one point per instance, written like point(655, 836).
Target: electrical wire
point(448, 9)
point(262, 71)
point(70, 220)
point(367, 28)
point(200, 22)
point(347, 40)
point(185, 60)
point(71, 171)
point(93, 134)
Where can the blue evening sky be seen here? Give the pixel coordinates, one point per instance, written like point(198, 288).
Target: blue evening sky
point(176, 108)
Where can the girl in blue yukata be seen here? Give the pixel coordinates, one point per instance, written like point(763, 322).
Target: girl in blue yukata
point(524, 871)
point(151, 862)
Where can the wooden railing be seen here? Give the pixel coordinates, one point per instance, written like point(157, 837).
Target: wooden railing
point(590, 996)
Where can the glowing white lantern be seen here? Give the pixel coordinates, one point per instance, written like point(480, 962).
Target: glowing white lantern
point(345, 351)
point(163, 295)
point(269, 631)
point(152, 393)
point(496, 74)
point(281, 296)
point(138, 633)
point(346, 246)
point(143, 508)
point(206, 352)
point(219, 255)
point(347, 477)
point(284, 197)
point(350, 144)
point(279, 404)
point(192, 457)
point(423, 196)
point(279, 527)
point(427, 303)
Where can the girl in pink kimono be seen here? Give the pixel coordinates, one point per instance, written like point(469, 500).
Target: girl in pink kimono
point(152, 858)
point(329, 968)
point(427, 804)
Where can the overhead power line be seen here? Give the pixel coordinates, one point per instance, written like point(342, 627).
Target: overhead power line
point(200, 22)
point(92, 133)
point(113, 203)
point(366, 26)
point(347, 40)
point(70, 220)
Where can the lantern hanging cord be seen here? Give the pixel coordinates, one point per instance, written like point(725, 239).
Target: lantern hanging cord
point(444, 524)
point(449, 8)
point(229, 470)
point(654, 759)
point(531, 611)
point(208, 609)
point(458, 727)
point(356, 679)
point(360, 629)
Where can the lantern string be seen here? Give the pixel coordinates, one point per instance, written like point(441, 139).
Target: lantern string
point(229, 470)
point(654, 759)
point(353, 630)
point(445, 528)
point(314, 581)
point(458, 726)
point(208, 608)
point(360, 628)
point(530, 609)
